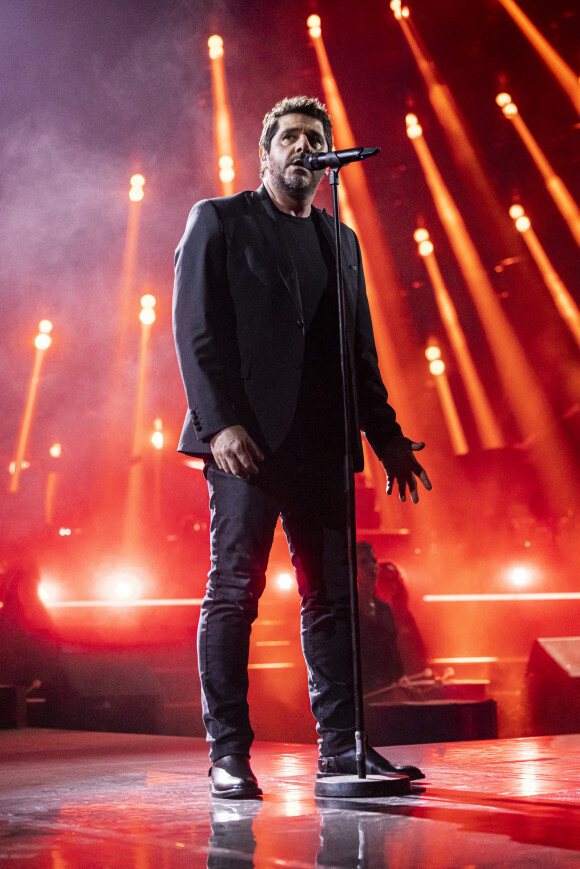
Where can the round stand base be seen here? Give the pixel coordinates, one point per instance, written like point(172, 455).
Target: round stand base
point(353, 786)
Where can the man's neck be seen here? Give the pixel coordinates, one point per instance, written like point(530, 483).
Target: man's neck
point(288, 204)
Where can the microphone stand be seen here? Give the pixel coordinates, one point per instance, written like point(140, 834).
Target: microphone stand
point(346, 785)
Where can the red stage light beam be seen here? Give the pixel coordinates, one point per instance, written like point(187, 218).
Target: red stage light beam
point(42, 342)
point(52, 479)
point(448, 406)
point(565, 76)
point(563, 300)
point(486, 423)
point(222, 124)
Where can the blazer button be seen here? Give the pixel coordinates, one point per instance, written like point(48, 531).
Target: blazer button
point(300, 323)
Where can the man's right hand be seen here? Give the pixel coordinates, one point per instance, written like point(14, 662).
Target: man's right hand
point(235, 452)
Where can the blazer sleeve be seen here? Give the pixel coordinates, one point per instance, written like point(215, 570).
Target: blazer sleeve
point(377, 418)
point(204, 323)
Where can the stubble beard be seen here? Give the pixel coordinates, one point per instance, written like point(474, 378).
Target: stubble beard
point(298, 185)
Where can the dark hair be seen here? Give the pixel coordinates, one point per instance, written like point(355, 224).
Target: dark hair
point(301, 105)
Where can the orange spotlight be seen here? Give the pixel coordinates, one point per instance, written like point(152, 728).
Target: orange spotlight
point(559, 69)
point(454, 427)
point(555, 186)
point(52, 479)
point(158, 440)
point(522, 389)
point(42, 342)
point(123, 587)
point(284, 581)
point(516, 211)
point(420, 235)
point(521, 575)
point(561, 296)
point(48, 591)
point(223, 126)
point(503, 99)
point(147, 313)
point(414, 130)
point(136, 193)
point(432, 353)
point(216, 47)
point(314, 27)
point(487, 426)
point(523, 223)
point(510, 110)
point(399, 11)
point(157, 436)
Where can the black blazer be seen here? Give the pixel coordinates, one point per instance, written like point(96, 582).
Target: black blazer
point(239, 328)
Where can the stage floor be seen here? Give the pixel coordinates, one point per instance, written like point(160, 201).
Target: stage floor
point(105, 800)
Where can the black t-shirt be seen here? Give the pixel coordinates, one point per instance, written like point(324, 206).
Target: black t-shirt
point(317, 429)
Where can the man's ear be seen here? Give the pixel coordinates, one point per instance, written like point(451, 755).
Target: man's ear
point(263, 155)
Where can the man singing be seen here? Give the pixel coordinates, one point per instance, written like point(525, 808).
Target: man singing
point(256, 330)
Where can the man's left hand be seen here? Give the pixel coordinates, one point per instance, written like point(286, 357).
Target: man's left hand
point(401, 465)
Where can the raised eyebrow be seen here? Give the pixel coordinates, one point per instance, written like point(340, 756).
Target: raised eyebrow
point(312, 134)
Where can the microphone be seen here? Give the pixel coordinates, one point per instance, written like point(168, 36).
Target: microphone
point(336, 159)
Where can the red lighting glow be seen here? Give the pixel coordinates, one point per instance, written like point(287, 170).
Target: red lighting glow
point(503, 99)
point(314, 27)
point(136, 193)
point(42, 341)
point(421, 235)
point(141, 602)
point(123, 587)
point(216, 47)
point(527, 595)
point(48, 592)
point(521, 575)
point(284, 581)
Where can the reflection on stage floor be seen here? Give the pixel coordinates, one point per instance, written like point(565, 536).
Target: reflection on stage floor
point(71, 799)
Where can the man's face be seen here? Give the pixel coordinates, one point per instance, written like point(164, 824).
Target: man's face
point(296, 136)
point(366, 566)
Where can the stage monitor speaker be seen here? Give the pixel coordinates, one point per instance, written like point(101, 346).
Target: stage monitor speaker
point(553, 685)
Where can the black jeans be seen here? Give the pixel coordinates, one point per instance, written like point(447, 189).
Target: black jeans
point(310, 499)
